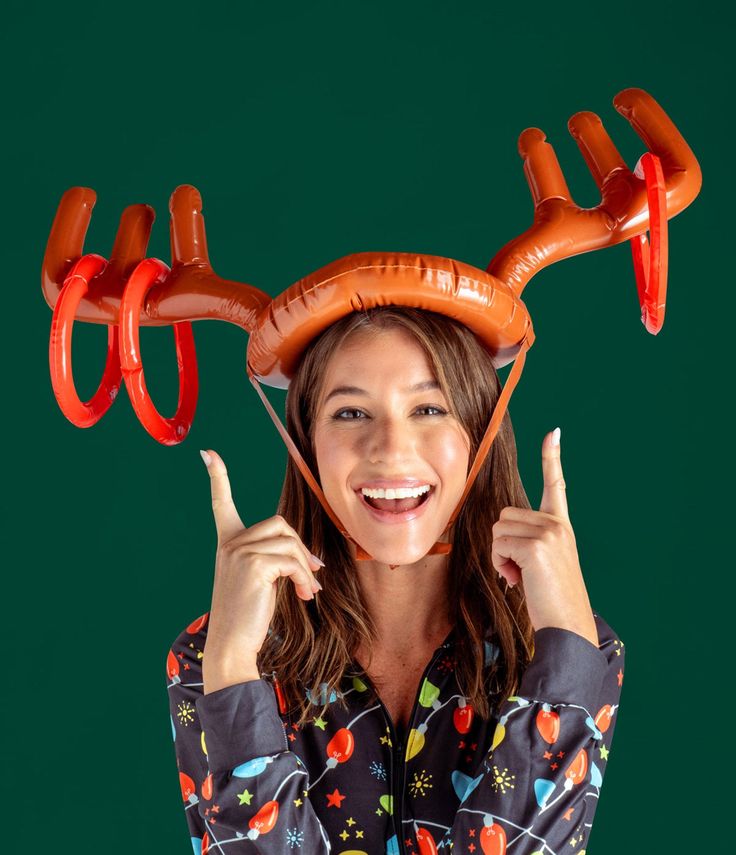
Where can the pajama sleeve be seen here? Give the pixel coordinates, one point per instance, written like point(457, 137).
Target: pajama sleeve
point(243, 790)
point(539, 784)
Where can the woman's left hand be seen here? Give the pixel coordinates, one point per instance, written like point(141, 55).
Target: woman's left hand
point(539, 547)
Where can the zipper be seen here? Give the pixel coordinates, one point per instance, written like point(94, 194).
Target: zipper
point(397, 753)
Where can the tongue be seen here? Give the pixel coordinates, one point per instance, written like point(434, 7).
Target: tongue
point(395, 505)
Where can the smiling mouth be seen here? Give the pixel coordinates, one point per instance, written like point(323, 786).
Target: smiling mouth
point(397, 506)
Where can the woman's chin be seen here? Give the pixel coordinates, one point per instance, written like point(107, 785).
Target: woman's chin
point(396, 553)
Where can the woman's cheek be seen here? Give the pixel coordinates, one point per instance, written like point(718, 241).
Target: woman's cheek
point(452, 454)
point(333, 456)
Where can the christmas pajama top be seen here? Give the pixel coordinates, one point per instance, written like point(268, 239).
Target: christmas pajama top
point(527, 781)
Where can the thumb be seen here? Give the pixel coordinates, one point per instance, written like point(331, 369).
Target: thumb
point(554, 497)
point(227, 519)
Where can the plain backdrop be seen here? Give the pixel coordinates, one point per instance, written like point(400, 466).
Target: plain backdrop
point(313, 131)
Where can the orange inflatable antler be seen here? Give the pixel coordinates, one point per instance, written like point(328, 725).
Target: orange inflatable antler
point(562, 229)
point(129, 291)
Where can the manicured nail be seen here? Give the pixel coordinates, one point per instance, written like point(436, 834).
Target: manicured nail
point(206, 457)
point(556, 436)
point(318, 560)
point(319, 587)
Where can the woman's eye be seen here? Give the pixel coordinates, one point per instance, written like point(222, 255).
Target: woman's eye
point(339, 415)
point(342, 412)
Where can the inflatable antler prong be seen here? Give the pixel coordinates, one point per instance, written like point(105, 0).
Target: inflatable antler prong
point(131, 242)
point(188, 237)
point(541, 167)
point(598, 149)
point(682, 172)
point(193, 291)
point(66, 239)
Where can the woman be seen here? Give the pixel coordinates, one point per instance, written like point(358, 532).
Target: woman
point(465, 698)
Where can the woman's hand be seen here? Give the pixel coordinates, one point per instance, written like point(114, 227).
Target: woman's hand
point(248, 564)
point(540, 547)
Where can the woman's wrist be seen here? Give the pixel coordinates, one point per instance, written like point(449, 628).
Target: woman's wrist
point(220, 675)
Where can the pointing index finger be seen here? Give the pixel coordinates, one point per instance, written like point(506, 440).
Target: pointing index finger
point(554, 496)
point(227, 519)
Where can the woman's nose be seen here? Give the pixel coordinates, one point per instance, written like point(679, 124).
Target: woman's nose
point(390, 438)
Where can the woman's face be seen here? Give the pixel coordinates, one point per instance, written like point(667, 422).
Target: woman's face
point(381, 430)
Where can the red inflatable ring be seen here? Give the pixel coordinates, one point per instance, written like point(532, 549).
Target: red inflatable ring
point(83, 414)
point(147, 274)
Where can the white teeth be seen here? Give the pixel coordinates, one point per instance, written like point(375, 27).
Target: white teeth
point(398, 493)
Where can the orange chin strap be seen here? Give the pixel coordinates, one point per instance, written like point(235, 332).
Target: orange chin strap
point(495, 423)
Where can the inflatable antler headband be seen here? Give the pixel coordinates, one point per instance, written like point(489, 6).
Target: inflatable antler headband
point(130, 290)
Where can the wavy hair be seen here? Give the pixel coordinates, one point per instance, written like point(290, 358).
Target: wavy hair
point(311, 644)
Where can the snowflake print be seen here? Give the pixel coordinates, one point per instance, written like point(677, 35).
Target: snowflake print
point(185, 713)
point(294, 837)
point(501, 781)
point(421, 784)
point(378, 770)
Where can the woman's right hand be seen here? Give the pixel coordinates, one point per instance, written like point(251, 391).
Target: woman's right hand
point(248, 564)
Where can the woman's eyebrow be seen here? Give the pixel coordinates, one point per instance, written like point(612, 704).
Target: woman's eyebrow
point(426, 385)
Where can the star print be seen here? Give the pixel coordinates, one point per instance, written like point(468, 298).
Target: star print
point(320, 723)
point(560, 754)
point(604, 752)
point(344, 835)
point(379, 812)
point(291, 737)
point(298, 802)
point(568, 813)
point(350, 821)
point(548, 755)
point(215, 808)
point(335, 798)
point(358, 834)
point(461, 744)
point(471, 832)
point(620, 676)
point(554, 765)
point(471, 848)
point(244, 797)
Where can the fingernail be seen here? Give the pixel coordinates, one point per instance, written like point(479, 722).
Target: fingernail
point(556, 436)
point(318, 560)
point(206, 457)
point(319, 587)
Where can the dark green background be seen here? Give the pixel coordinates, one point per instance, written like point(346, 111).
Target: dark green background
point(313, 131)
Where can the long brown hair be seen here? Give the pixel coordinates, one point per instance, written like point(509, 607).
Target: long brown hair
point(310, 645)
